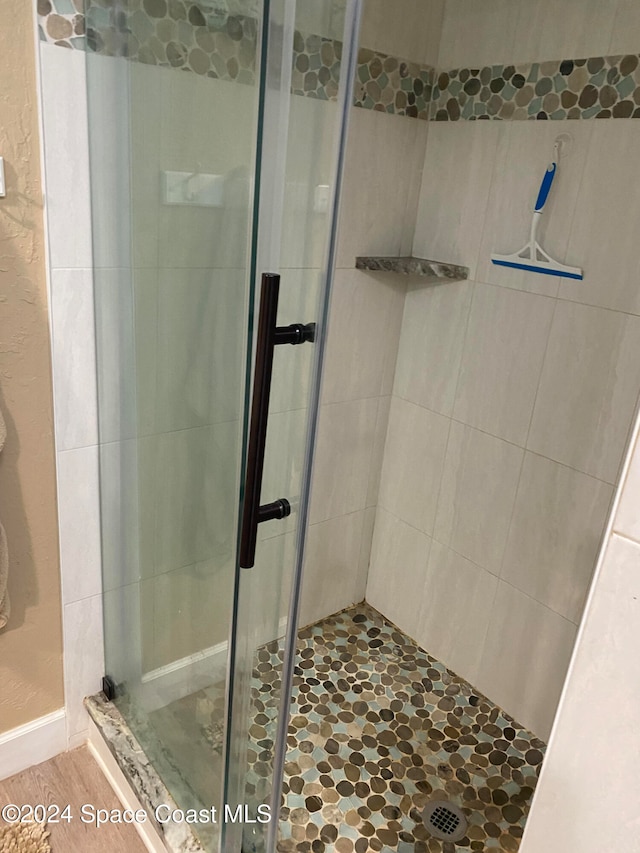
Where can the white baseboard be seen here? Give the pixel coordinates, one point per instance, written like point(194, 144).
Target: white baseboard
point(32, 743)
point(122, 789)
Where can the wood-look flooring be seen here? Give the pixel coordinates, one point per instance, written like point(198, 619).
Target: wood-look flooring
point(73, 778)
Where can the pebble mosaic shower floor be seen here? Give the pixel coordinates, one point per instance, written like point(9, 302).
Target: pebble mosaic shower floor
point(379, 729)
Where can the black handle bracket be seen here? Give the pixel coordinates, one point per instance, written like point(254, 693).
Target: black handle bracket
point(269, 336)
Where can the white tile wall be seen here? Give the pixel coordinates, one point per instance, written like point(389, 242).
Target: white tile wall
point(384, 158)
point(599, 778)
point(345, 444)
point(74, 357)
point(582, 28)
point(513, 31)
point(474, 35)
point(332, 580)
point(539, 374)
point(626, 28)
point(83, 660)
point(431, 344)
point(411, 480)
point(66, 179)
point(366, 315)
point(588, 389)
point(525, 658)
point(455, 632)
point(598, 241)
point(528, 148)
point(64, 101)
point(479, 484)
point(399, 556)
point(79, 521)
point(502, 359)
point(556, 530)
point(412, 32)
point(459, 166)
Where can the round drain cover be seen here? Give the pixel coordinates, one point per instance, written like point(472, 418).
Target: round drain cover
point(444, 820)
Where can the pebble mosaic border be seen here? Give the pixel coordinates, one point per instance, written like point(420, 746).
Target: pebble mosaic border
point(598, 87)
point(175, 33)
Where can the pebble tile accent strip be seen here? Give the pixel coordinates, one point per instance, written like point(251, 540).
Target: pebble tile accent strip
point(177, 34)
point(598, 87)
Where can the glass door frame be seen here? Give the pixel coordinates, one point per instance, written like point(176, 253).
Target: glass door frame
point(273, 123)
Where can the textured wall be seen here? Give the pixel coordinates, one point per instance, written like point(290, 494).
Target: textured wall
point(31, 644)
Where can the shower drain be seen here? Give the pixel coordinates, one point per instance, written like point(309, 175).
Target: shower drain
point(445, 821)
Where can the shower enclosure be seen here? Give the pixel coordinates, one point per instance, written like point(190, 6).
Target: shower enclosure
point(216, 142)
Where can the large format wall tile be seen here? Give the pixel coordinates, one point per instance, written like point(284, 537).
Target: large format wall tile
point(331, 577)
point(397, 572)
point(83, 661)
point(504, 349)
point(364, 329)
point(116, 329)
point(455, 611)
point(128, 510)
point(456, 180)
point(346, 434)
point(555, 534)
point(79, 523)
point(66, 157)
point(626, 28)
point(192, 610)
point(606, 246)
point(196, 473)
point(207, 126)
point(593, 748)
point(293, 365)
point(528, 150)
point(283, 466)
point(265, 593)
point(384, 158)
point(431, 344)
point(525, 658)
point(109, 121)
point(471, 35)
point(74, 358)
point(377, 453)
point(200, 360)
point(477, 494)
point(412, 31)
point(588, 389)
point(308, 166)
point(413, 460)
point(627, 518)
point(146, 85)
point(577, 28)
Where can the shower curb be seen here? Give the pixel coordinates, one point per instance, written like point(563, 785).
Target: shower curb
point(140, 774)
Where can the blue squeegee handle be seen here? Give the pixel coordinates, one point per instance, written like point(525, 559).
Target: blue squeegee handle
point(545, 186)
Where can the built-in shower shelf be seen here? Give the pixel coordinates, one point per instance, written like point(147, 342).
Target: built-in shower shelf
point(429, 270)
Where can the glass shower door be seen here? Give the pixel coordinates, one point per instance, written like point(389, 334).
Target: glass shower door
point(215, 131)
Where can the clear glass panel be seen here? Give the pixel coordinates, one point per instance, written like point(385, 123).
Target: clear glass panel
point(188, 103)
point(310, 90)
point(173, 101)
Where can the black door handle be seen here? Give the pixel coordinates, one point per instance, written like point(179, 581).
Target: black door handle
point(269, 335)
